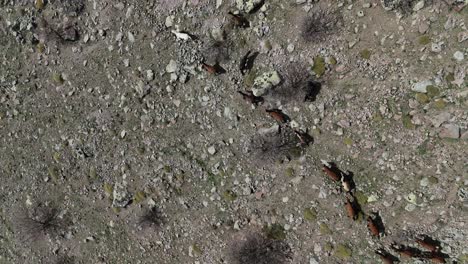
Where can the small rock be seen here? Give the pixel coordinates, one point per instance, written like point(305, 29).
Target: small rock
point(410, 207)
point(247, 5)
point(121, 197)
point(423, 27)
point(169, 21)
point(183, 78)
point(441, 118)
point(462, 36)
point(211, 150)
point(299, 2)
point(149, 75)
point(130, 36)
point(360, 13)
point(421, 86)
point(436, 47)
point(290, 48)
point(458, 56)
point(424, 182)
point(418, 6)
point(450, 131)
point(172, 66)
point(218, 34)
point(312, 260)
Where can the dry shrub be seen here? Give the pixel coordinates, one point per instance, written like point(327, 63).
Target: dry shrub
point(150, 218)
point(255, 248)
point(275, 146)
point(319, 25)
point(41, 221)
point(297, 86)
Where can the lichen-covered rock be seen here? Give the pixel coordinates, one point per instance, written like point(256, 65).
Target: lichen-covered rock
point(121, 197)
point(247, 5)
point(264, 82)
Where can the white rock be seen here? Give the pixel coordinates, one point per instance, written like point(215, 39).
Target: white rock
point(411, 198)
point(169, 21)
point(290, 48)
point(218, 3)
point(119, 37)
point(458, 56)
point(436, 47)
point(149, 75)
point(421, 87)
point(131, 37)
point(360, 13)
point(418, 6)
point(212, 150)
point(172, 66)
point(181, 35)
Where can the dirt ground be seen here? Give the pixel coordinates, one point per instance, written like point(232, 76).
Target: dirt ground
point(124, 137)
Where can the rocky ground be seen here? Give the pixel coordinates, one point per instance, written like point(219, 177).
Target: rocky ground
point(222, 131)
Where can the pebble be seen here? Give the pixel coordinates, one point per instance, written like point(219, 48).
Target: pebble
point(285, 199)
point(450, 131)
point(458, 56)
point(212, 150)
point(172, 66)
point(290, 48)
point(360, 13)
point(421, 86)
